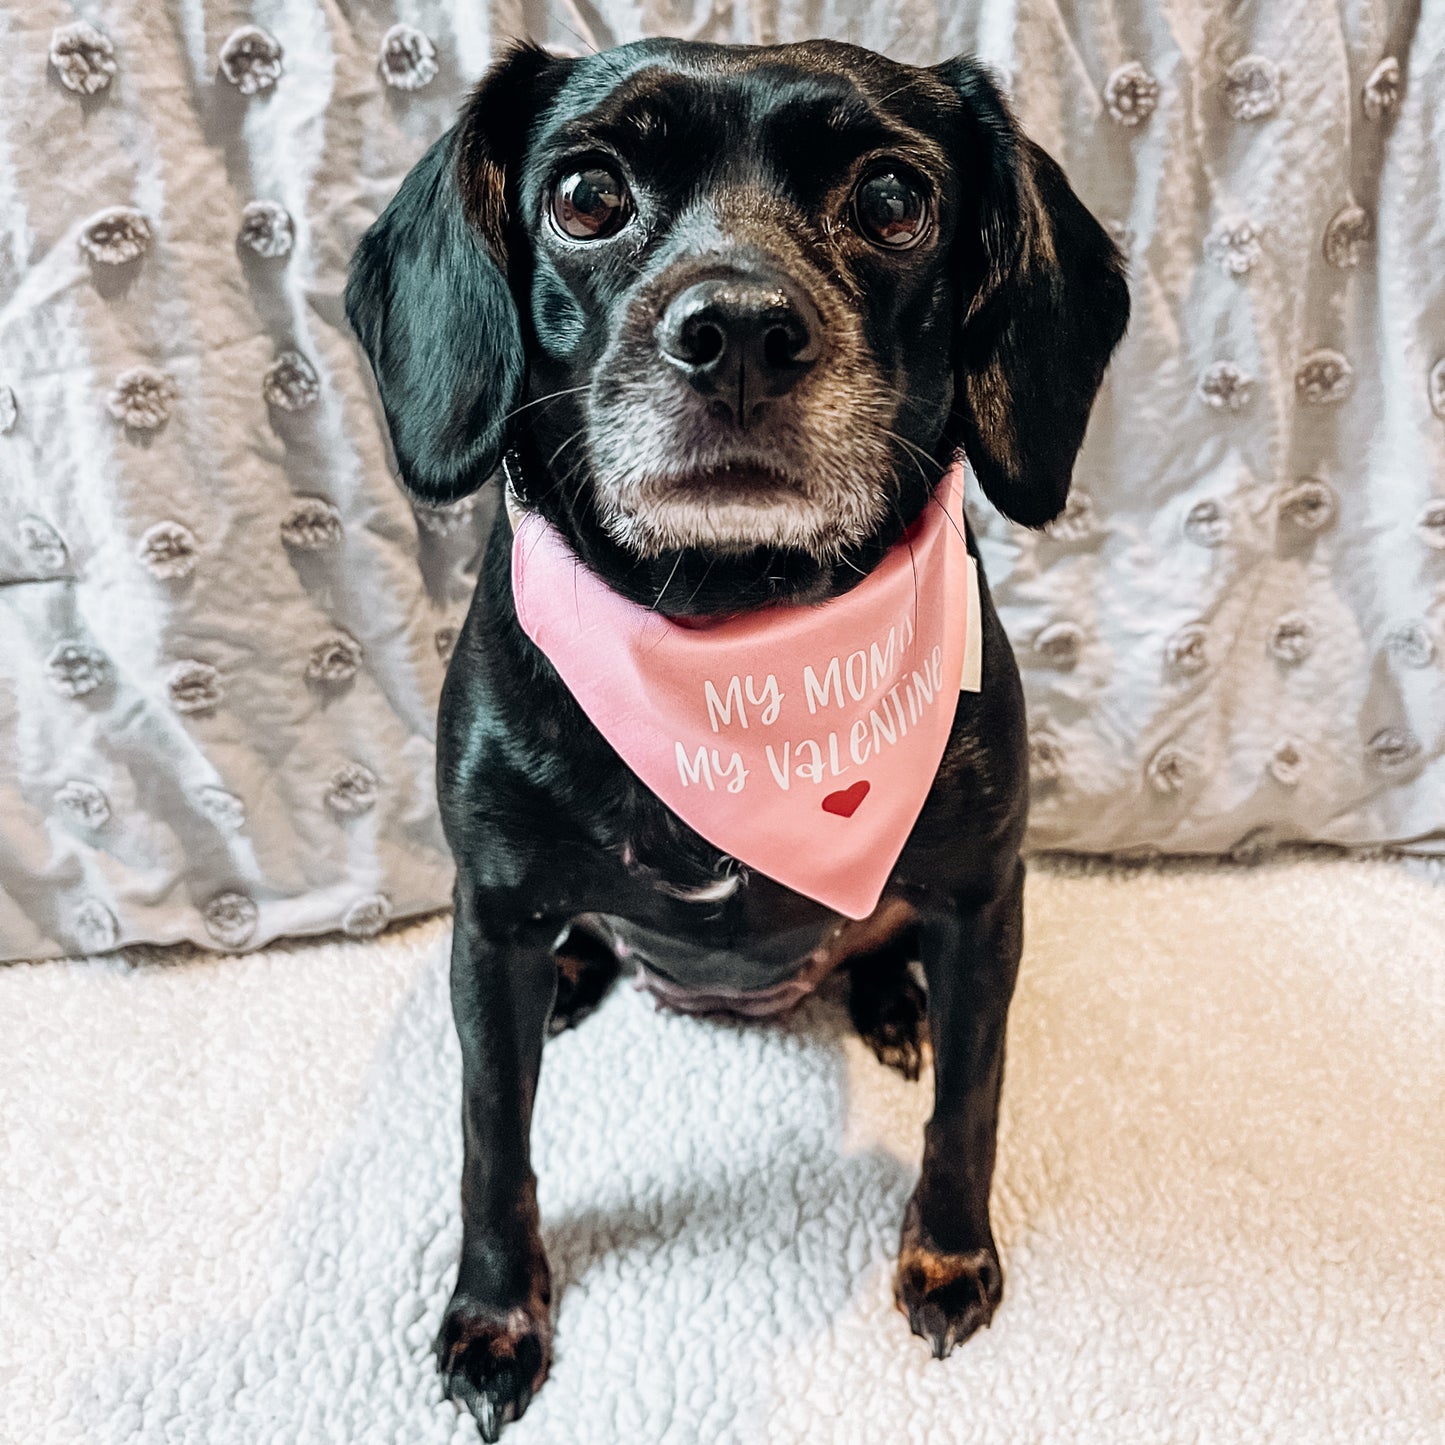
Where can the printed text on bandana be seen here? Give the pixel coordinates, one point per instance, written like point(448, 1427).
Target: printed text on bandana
point(830, 717)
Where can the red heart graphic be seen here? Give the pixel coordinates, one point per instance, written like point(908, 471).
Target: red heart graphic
point(845, 804)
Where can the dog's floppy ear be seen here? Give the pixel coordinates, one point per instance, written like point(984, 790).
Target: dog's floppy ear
point(1048, 307)
point(428, 293)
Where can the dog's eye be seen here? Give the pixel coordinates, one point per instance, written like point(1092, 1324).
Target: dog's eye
point(891, 211)
point(589, 204)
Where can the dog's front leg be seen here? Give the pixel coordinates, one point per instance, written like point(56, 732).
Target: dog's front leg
point(949, 1280)
point(494, 1348)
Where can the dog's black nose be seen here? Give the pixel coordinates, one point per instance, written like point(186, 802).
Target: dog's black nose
point(741, 340)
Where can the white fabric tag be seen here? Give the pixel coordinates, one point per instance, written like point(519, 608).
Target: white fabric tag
point(973, 643)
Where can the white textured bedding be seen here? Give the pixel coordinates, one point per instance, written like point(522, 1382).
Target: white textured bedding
point(222, 630)
point(228, 1211)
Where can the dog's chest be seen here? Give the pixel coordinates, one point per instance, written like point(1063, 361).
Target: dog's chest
point(702, 933)
point(691, 883)
point(690, 973)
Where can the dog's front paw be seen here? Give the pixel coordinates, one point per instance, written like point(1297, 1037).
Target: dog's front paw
point(493, 1361)
point(890, 1012)
point(586, 970)
point(946, 1295)
point(898, 1031)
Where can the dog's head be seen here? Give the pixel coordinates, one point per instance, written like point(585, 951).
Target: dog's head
point(733, 308)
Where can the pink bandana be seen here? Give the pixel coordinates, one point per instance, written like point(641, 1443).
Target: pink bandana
point(803, 741)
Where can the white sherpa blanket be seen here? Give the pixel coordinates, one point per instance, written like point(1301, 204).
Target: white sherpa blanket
point(228, 1205)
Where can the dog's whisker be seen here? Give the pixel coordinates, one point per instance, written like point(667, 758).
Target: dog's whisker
point(581, 30)
point(700, 581)
point(908, 84)
point(561, 481)
point(933, 494)
point(914, 450)
point(662, 591)
point(541, 400)
point(552, 460)
point(907, 542)
point(962, 534)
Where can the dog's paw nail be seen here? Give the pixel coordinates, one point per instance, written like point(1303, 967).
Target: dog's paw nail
point(524, 1398)
point(488, 1418)
point(942, 1343)
point(905, 1056)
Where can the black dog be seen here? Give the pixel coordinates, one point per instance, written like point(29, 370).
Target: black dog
point(728, 313)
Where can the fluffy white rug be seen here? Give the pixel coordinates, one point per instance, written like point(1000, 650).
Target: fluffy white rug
point(228, 1215)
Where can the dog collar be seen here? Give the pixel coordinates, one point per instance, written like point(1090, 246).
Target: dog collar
point(512, 488)
point(801, 740)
